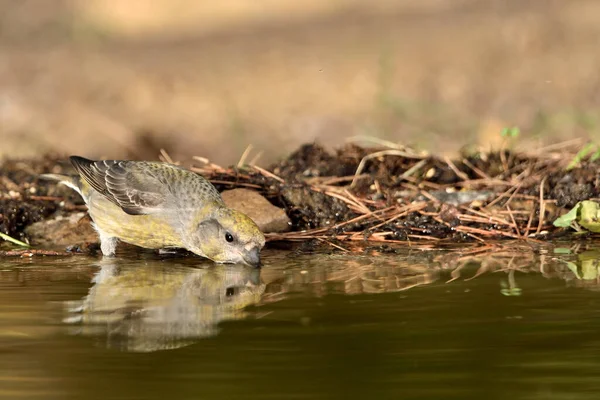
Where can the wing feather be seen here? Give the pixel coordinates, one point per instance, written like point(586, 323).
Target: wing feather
point(131, 185)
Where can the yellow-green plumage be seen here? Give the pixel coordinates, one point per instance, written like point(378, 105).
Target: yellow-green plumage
point(149, 231)
point(158, 205)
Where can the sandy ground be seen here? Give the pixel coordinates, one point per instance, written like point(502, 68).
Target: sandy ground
point(98, 82)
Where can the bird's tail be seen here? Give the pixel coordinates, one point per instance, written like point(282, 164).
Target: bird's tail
point(70, 181)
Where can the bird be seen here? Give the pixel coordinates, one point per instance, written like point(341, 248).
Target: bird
point(158, 205)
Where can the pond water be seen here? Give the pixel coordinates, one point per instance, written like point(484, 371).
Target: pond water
point(519, 323)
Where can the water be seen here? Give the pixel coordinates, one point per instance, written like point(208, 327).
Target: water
point(519, 324)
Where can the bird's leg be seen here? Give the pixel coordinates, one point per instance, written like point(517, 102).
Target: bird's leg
point(108, 245)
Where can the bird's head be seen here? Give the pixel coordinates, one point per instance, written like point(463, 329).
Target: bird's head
point(227, 236)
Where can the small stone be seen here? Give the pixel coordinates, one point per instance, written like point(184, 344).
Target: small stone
point(68, 230)
point(268, 217)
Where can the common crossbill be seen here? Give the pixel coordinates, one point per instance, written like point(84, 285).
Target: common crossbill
point(158, 205)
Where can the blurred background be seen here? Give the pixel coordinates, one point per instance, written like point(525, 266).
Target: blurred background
point(110, 78)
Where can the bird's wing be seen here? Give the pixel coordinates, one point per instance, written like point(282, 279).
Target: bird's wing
point(133, 186)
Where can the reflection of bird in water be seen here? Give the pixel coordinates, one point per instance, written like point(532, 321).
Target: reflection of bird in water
point(156, 307)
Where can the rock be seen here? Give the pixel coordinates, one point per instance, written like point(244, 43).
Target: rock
point(62, 230)
point(268, 217)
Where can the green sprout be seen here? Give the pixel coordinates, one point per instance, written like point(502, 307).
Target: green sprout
point(590, 148)
point(510, 132)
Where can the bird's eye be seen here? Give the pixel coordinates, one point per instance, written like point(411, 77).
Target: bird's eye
point(229, 237)
point(230, 291)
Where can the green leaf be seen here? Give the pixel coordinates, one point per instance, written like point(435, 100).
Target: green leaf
point(565, 221)
point(589, 216)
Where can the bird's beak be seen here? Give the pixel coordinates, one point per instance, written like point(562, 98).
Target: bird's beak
point(252, 256)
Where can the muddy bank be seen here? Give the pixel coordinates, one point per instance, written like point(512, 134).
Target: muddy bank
point(356, 193)
point(394, 194)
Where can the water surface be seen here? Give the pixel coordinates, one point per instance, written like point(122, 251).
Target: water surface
point(517, 323)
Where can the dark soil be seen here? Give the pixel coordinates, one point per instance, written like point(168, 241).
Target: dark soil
point(382, 185)
point(25, 199)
